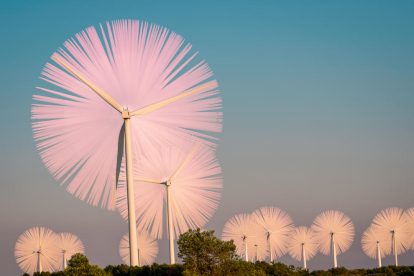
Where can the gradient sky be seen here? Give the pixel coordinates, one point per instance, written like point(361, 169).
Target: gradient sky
point(318, 113)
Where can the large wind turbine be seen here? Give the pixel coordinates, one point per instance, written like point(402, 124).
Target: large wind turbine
point(35, 250)
point(302, 245)
point(244, 232)
point(376, 245)
point(147, 248)
point(188, 180)
point(333, 231)
point(128, 92)
point(275, 225)
point(392, 221)
point(68, 245)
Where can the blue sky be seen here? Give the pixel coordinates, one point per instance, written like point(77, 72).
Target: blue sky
point(317, 101)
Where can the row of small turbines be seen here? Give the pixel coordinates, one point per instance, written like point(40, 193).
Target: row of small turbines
point(40, 249)
point(270, 232)
point(267, 232)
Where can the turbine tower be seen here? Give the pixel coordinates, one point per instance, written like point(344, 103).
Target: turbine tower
point(392, 221)
point(244, 232)
point(147, 248)
point(302, 245)
point(186, 177)
point(376, 245)
point(129, 92)
point(333, 231)
point(275, 226)
point(68, 245)
point(35, 250)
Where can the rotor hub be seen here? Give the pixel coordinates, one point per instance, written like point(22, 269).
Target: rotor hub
point(168, 182)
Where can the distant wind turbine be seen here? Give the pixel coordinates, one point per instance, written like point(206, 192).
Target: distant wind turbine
point(35, 250)
point(376, 244)
point(392, 221)
point(68, 244)
point(244, 232)
point(333, 231)
point(275, 226)
point(187, 177)
point(147, 248)
point(260, 252)
point(302, 245)
point(128, 90)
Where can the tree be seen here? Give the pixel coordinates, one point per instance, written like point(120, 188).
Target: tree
point(79, 265)
point(203, 253)
point(43, 273)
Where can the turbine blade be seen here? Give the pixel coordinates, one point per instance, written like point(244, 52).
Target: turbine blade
point(156, 181)
point(150, 108)
point(97, 90)
point(183, 164)
point(178, 210)
point(121, 146)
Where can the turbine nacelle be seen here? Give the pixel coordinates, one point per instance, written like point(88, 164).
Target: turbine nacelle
point(126, 114)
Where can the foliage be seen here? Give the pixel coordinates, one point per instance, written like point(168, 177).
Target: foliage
point(228, 268)
point(79, 265)
point(58, 273)
point(43, 273)
point(203, 253)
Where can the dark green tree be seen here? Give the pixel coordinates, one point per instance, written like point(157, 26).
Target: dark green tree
point(240, 268)
point(43, 273)
point(203, 253)
point(79, 265)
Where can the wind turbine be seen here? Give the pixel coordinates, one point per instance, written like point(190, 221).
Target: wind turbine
point(128, 91)
point(333, 231)
point(68, 245)
point(147, 248)
point(392, 221)
point(275, 225)
point(260, 249)
point(35, 250)
point(302, 245)
point(376, 245)
point(244, 232)
point(188, 180)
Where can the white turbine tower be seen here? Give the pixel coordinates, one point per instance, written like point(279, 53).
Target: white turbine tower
point(68, 244)
point(275, 226)
point(376, 245)
point(302, 245)
point(392, 221)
